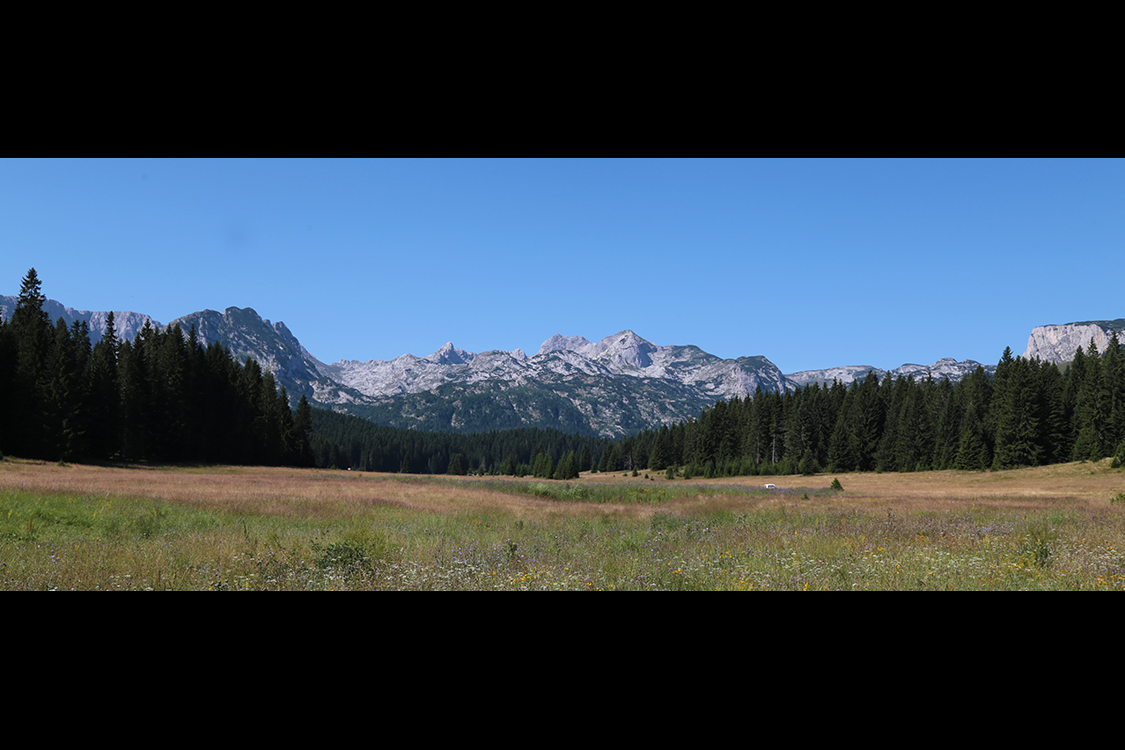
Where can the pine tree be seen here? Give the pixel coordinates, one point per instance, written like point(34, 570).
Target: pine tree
point(104, 394)
point(135, 402)
point(8, 354)
point(808, 465)
point(1053, 419)
point(1017, 425)
point(660, 456)
point(972, 448)
point(302, 432)
point(33, 338)
point(867, 422)
point(1092, 414)
point(65, 396)
point(840, 455)
point(1114, 363)
point(948, 427)
point(585, 461)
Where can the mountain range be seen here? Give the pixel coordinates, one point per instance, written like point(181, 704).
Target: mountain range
point(611, 387)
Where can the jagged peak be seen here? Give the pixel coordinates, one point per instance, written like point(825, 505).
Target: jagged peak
point(558, 342)
point(451, 355)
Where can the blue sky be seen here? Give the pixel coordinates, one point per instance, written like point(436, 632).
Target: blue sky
point(811, 262)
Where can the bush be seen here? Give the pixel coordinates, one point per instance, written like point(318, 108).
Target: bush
point(836, 485)
point(359, 550)
point(1038, 545)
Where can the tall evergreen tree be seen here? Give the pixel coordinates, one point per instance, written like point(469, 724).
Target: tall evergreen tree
point(104, 394)
point(8, 354)
point(33, 337)
point(660, 457)
point(302, 432)
point(1092, 411)
point(1017, 423)
point(972, 447)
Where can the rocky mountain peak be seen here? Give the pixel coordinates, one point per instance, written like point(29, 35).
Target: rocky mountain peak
point(626, 349)
point(449, 355)
point(559, 343)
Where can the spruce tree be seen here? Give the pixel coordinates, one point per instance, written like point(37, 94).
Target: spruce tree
point(660, 456)
point(1114, 365)
point(33, 339)
point(1053, 419)
point(1092, 410)
point(1017, 425)
point(840, 454)
point(64, 396)
point(104, 394)
point(302, 432)
point(972, 448)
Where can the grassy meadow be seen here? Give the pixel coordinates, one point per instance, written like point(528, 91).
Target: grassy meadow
point(79, 527)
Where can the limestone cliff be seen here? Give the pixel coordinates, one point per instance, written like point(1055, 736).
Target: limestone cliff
point(1057, 343)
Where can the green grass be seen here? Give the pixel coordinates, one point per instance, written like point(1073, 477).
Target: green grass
point(636, 491)
point(64, 542)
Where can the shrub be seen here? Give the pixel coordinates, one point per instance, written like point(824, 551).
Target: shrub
point(1038, 544)
point(360, 549)
point(836, 485)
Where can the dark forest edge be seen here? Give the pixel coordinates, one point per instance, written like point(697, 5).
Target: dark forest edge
point(165, 398)
point(162, 398)
point(1029, 413)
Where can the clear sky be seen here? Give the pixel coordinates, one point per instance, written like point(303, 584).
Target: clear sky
point(812, 263)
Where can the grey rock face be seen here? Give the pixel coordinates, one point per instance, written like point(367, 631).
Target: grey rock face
point(1058, 343)
point(943, 368)
point(126, 324)
point(623, 354)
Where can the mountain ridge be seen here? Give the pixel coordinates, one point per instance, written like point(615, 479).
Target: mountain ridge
point(608, 387)
point(126, 324)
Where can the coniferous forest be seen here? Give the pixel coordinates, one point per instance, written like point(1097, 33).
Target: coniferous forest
point(163, 397)
point(347, 441)
point(1029, 413)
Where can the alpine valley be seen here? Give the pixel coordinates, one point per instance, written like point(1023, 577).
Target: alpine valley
point(610, 388)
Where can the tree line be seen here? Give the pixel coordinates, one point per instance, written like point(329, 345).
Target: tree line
point(162, 397)
point(348, 441)
point(1028, 413)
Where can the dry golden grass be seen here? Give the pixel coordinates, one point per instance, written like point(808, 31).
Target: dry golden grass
point(313, 493)
point(1074, 486)
point(303, 493)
